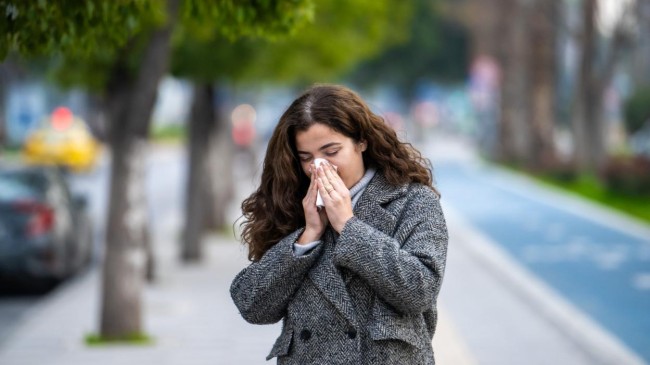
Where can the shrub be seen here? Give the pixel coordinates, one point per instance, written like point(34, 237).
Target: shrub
point(560, 170)
point(637, 110)
point(627, 174)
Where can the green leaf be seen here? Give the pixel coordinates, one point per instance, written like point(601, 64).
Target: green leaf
point(91, 8)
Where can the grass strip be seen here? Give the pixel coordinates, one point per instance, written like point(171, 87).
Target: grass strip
point(137, 339)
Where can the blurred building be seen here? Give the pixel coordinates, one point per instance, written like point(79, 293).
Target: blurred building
point(28, 103)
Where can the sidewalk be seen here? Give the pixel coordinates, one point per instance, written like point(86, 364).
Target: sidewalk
point(189, 313)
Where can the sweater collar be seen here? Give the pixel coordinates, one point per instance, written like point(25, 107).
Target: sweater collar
point(357, 190)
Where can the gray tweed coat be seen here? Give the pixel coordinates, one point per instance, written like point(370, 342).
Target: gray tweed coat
point(366, 296)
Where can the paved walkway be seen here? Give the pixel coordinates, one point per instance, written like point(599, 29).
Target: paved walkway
point(484, 319)
point(189, 313)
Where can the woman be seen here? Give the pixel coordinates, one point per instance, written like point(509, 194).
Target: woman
point(355, 282)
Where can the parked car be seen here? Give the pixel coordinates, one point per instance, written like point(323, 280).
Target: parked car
point(62, 140)
point(46, 233)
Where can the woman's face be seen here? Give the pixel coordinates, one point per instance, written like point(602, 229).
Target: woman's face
point(321, 141)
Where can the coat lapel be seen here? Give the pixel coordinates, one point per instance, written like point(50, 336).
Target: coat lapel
point(370, 207)
point(325, 275)
point(329, 281)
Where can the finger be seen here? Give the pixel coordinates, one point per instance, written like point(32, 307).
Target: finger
point(334, 178)
point(314, 188)
point(314, 193)
point(324, 187)
point(310, 197)
point(331, 173)
point(327, 183)
point(322, 173)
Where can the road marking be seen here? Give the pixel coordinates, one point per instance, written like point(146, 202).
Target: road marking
point(642, 281)
point(448, 345)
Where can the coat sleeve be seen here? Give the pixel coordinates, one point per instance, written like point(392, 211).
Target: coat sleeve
point(262, 290)
point(405, 275)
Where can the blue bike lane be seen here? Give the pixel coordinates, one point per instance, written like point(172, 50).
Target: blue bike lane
point(602, 269)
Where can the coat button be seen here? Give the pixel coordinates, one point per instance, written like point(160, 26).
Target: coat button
point(305, 335)
point(352, 334)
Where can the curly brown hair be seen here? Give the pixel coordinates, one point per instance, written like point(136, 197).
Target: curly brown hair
point(275, 210)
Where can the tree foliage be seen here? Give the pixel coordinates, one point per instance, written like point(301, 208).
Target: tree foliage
point(637, 110)
point(343, 34)
point(238, 18)
point(340, 34)
point(436, 49)
point(43, 27)
point(87, 38)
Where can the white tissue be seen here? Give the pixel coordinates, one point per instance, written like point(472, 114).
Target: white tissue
point(319, 200)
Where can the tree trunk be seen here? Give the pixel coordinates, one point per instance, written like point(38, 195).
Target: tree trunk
point(515, 107)
point(9, 72)
point(484, 19)
point(641, 53)
point(587, 123)
point(543, 83)
point(202, 125)
point(131, 108)
point(124, 260)
point(589, 119)
point(4, 86)
point(150, 257)
point(221, 187)
point(96, 117)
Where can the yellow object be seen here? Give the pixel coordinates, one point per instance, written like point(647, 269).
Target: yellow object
point(70, 145)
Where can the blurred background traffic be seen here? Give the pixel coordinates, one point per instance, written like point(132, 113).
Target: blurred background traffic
point(131, 131)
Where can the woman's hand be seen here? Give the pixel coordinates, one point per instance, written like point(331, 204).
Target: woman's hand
point(336, 196)
point(315, 219)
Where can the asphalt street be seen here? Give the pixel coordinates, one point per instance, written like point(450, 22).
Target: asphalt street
point(597, 260)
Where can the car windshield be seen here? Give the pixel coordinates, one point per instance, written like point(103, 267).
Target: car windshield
point(21, 185)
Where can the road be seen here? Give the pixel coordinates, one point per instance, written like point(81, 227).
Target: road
point(165, 181)
point(597, 261)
